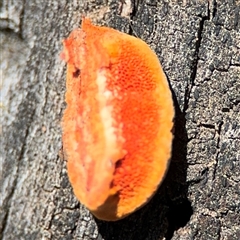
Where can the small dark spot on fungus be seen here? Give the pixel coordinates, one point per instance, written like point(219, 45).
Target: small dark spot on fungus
point(119, 106)
point(76, 73)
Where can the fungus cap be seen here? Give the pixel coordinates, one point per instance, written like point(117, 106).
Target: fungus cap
point(117, 125)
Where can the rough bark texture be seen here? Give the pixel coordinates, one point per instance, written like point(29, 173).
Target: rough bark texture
point(198, 44)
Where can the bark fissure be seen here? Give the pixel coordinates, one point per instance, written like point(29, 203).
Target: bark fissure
point(21, 24)
point(13, 187)
point(194, 64)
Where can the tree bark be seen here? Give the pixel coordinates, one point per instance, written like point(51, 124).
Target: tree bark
point(198, 44)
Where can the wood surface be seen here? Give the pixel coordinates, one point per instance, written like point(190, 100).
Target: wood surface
point(198, 44)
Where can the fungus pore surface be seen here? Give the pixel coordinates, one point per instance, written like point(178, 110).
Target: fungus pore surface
point(117, 125)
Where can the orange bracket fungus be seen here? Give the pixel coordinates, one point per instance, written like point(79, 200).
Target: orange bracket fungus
point(118, 121)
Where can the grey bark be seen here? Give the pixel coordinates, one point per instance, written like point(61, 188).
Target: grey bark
point(198, 44)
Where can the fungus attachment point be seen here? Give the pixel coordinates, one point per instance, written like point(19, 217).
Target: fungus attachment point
point(118, 121)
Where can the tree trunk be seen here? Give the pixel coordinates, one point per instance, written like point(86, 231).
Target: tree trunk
point(198, 44)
